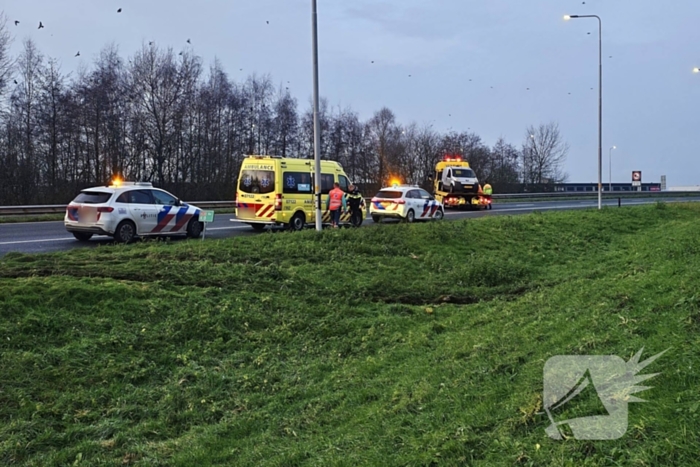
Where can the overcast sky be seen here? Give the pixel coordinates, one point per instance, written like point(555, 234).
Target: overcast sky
point(651, 98)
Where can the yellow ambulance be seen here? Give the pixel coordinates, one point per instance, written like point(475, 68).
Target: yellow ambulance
point(277, 191)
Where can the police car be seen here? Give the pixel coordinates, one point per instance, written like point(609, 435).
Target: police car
point(125, 210)
point(409, 203)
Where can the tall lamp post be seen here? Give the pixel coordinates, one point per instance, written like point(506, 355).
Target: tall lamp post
point(610, 169)
point(317, 131)
point(600, 102)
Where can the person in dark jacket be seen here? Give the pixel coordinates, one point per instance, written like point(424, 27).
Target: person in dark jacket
point(355, 204)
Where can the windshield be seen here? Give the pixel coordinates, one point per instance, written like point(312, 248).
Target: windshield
point(257, 181)
point(92, 197)
point(389, 194)
point(463, 173)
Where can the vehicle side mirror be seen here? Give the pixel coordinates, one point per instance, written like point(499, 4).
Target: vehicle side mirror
point(178, 202)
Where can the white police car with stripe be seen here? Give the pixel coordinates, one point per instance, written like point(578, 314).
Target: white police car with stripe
point(126, 210)
point(406, 202)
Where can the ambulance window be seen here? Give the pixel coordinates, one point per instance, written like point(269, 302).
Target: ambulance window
point(297, 183)
point(257, 181)
point(327, 181)
point(344, 184)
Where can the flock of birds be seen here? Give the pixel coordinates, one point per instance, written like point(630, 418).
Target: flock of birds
point(41, 26)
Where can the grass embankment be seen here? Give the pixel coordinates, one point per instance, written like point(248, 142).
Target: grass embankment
point(396, 345)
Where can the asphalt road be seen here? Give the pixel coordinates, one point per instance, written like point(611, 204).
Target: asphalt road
point(42, 237)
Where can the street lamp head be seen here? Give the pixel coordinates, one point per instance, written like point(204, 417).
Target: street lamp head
point(567, 17)
point(696, 70)
point(614, 147)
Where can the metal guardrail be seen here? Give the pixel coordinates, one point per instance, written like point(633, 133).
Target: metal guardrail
point(60, 208)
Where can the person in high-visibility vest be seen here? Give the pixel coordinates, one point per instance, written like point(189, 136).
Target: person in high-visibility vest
point(355, 203)
point(336, 201)
point(488, 191)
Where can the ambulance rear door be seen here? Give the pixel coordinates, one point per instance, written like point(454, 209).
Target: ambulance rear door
point(256, 188)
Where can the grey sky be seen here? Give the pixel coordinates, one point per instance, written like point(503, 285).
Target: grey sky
point(651, 97)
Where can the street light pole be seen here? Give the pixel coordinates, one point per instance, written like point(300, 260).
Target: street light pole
point(317, 131)
point(600, 103)
point(610, 170)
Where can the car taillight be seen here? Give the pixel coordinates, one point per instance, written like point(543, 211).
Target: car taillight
point(235, 202)
point(105, 209)
point(278, 202)
point(399, 201)
point(374, 200)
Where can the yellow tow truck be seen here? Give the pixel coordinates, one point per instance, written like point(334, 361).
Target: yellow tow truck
point(455, 184)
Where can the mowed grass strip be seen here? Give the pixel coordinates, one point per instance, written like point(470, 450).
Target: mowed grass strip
point(396, 345)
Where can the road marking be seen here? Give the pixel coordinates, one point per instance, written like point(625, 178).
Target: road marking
point(38, 241)
point(226, 228)
point(30, 222)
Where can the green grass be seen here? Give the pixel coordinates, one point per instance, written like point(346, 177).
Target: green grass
point(404, 345)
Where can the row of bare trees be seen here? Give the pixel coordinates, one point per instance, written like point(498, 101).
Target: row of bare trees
point(162, 117)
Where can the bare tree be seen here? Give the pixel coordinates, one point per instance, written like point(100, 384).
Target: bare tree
point(504, 172)
point(544, 154)
point(6, 62)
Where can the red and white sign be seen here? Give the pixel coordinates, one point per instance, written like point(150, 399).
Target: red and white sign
point(637, 178)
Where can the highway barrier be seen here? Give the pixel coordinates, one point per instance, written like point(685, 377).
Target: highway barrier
point(60, 208)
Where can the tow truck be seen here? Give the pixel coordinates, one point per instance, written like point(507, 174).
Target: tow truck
point(455, 184)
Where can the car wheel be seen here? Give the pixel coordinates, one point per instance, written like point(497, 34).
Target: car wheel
point(439, 214)
point(194, 228)
point(410, 216)
point(258, 227)
point(82, 236)
point(376, 218)
point(297, 222)
point(125, 233)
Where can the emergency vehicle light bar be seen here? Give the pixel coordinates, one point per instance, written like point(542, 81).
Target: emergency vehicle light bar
point(452, 159)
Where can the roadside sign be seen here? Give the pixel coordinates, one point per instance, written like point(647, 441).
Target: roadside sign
point(637, 178)
point(205, 217)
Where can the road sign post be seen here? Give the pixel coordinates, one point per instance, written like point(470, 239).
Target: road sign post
point(637, 179)
point(205, 217)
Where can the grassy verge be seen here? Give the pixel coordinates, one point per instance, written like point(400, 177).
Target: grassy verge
point(397, 345)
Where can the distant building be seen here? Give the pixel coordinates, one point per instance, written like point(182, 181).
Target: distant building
point(593, 187)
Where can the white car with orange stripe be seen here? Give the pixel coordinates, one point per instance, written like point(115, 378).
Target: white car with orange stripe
point(126, 210)
point(409, 203)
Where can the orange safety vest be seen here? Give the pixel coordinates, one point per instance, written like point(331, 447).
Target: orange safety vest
point(336, 195)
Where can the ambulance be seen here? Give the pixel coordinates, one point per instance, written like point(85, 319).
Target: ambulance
point(276, 191)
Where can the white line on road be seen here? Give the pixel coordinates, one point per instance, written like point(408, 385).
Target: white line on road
point(226, 228)
point(38, 241)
